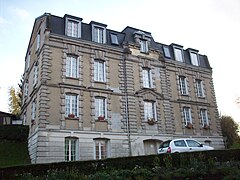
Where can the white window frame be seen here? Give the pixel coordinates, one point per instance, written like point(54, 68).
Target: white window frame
point(28, 61)
point(24, 119)
point(166, 52)
point(149, 110)
point(187, 115)
point(99, 71)
point(114, 39)
point(72, 68)
point(100, 107)
point(97, 36)
point(194, 58)
point(204, 117)
point(34, 109)
point(71, 149)
point(199, 86)
point(147, 77)
point(38, 40)
point(143, 46)
point(73, 22)
point(26, 86)
point(178, 54)
point(71, 105)
point(101, 149)
point(35, 74)
point(183, 85)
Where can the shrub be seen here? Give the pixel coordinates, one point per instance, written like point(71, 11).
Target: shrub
point(14, 132)
point(216, 164)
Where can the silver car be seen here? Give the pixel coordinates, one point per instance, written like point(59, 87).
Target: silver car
point(182, 145)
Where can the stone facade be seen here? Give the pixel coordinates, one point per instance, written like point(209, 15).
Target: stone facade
point(124, 130)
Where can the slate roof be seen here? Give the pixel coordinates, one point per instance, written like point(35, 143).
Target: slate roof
point(57, 26)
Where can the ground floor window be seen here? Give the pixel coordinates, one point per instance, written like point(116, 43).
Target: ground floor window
point(70, 149)
point(101, 149)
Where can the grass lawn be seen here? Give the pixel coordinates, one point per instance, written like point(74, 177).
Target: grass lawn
point(13, 153)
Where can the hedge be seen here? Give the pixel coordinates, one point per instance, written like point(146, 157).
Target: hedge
point(14, 132)
point(146, 164)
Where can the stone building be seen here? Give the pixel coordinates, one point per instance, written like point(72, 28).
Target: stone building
point(92, 93)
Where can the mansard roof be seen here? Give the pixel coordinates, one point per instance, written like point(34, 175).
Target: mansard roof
point(56, 25)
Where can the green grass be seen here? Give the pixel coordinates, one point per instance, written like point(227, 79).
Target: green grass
point(13, 153)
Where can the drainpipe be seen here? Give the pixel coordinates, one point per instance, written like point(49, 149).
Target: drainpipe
point(126, 102)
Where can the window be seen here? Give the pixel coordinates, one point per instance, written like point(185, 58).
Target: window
point(73, 28)
point(178, 54)
point(165, 144)
point(72, 67)
point(99, 70)
point(34, 110)
point(187, 115)
point(71, 149)
point(28, 61)
point(35, 74)
point(149, 110)
point(204, 117)
point(199, 86)
point(183, 85)
point(166, 52)
point(192, 143)
point(100, 107)
point(99, 34)
point(24, 119)
point(180, 143)
point(147, 78)
point(143, 46)
point(71, 105)
point(38, 40)
point(194, 58)
point(101, 149)
point(114, 39)
point(26, 89)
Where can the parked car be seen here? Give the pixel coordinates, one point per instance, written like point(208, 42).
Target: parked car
point(182, 145)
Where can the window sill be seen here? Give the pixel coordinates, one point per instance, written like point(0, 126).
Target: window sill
point(72, 118)
point(103, 120)
point(72, 78)
point(201, 97)
point(148, 88)
point(100, 82)
point(147, 53)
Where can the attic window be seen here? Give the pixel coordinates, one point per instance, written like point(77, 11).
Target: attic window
point(114, 39)
point(178, 53)
point(73, 28)
point(98, 34)
point(194, 58)
point(166, 51)
point(144, 46)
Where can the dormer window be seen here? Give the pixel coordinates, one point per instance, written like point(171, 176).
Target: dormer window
point(143, 46)
point(194, 58)
point(143, 39)
point(73, 28)
point(166, 52)
point(114, 39)
point(178, 54)
point(98, 34)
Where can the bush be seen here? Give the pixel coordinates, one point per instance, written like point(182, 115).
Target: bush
point(14, 132)
point(216, 164)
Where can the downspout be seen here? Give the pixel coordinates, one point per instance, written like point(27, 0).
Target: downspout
point(126, 103)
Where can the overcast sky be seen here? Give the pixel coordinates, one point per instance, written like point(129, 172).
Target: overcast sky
point(210, 26)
